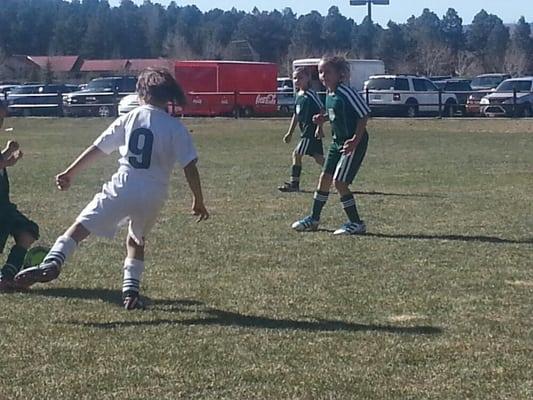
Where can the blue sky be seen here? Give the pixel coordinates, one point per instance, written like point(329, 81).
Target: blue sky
point(398, 10)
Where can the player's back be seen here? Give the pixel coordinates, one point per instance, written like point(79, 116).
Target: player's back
point(150, 142)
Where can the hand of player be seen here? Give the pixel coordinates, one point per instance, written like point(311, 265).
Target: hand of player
point(318, 119)
point(63, 181)
point(14, 157)
point(199, 210)
point(287, 138)
point(12, 146)
point(349, 146)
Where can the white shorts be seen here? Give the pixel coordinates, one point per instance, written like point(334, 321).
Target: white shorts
point(124, 200)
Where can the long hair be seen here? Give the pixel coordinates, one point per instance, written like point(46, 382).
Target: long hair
point(340, 65)
point(158, 85)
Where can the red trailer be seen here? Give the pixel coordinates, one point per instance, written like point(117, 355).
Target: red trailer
point(227, 87)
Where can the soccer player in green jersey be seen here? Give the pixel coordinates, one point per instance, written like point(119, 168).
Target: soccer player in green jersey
point(348, 114)
point(12, 221)
point(307, 104)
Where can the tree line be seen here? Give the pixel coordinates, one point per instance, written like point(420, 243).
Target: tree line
point(425, 44)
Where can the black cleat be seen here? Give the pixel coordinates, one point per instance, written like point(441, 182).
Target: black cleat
point(133, 302)
point(45, 272)
point(289, 187)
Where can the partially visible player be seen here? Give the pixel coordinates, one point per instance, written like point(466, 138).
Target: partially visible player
point(307, 104)
point(150, 142)
point(348, 114)
point(12, 221)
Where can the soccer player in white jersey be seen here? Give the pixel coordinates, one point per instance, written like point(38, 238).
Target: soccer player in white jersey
point(150, 142)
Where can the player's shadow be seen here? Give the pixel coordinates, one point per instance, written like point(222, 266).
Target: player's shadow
point(218, 317)
point(456, 238)
point(376, 193)
point(111, 296)
point(212, 316)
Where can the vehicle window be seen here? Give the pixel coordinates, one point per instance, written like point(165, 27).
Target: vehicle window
point(419, 85)
point(519, 86)
point(104, 85)
point(430, 87)
point(487, 81)
point(24, 90)
point(401, 84)
point(459, 86)
point(381, 84)
point(128, 85)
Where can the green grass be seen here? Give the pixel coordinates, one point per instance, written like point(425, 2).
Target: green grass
point(434, 303)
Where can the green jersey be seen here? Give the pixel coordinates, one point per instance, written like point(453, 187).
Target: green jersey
point(307, 104)
point(345, 107)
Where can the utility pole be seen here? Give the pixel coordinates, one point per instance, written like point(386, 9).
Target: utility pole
point(369, 4)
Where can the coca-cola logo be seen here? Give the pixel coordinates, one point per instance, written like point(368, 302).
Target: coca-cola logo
point(266, 99)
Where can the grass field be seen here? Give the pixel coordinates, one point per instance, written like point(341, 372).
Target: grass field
point(435, 302)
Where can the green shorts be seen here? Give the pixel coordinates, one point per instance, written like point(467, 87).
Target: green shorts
point(13, 222)
point(344, 168)
point(309, 147)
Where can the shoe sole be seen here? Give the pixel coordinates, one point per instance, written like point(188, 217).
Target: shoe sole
point(27, 279)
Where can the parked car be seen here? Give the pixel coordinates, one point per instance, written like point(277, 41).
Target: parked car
point(460, 87)
point(128, 103)
point(100, 97)
point(513, 97)
point(482, 85)
point(285, 94)
point(43, 99)
point(407, 95)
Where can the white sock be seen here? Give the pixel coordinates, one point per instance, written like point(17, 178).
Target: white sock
point(133, 270)
point(61, 250)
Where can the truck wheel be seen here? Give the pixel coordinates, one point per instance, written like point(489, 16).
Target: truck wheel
point(449, 109)
point(284, 109)
point(411, 110)
point(104, 111)
point(248, 112)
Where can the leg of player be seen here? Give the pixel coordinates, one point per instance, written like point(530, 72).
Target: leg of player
point(294, 184)
point(310, 223)
point(15, 259)
point(50, 268)
point(133, 269)
point(354, 225)
point(319, 158)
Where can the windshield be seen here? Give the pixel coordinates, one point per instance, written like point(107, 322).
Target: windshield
point(510, 86)
point(24, 90)
point(106, 85)
point(486, 81)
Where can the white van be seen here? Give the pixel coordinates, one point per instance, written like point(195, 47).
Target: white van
point(360, 71)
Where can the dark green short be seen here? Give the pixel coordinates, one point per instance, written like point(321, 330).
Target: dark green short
point(13, 222)
point(344, 168)
point(309, 147)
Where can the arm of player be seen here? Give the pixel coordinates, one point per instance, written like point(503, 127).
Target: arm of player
point(193, 179)
point(10, 154)
point(292, 127)
point(351, 144)
point(84, 160)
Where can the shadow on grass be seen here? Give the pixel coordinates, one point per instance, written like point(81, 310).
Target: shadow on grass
point(457, 238)
point(460, 238)
point(375, 193)
point(213, 316)
point(232, 319)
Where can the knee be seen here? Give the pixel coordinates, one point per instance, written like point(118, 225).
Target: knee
point(342, 187)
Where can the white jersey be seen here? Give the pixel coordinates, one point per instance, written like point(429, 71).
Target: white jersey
point(150, 142)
